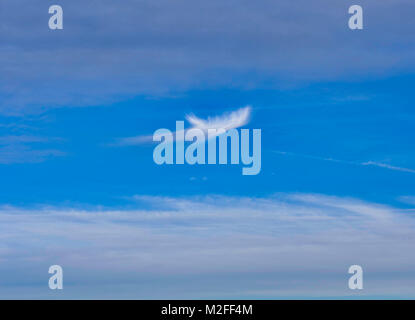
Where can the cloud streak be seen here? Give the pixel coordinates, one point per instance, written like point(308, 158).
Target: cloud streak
point(190, 45)
point(356, 163)
point(387, 166)
point(227, 121)
point(25, 149)
point(296, 240)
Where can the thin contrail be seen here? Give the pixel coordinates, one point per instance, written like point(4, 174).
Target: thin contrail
point(367, 163)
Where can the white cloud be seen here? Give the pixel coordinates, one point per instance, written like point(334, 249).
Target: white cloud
point(387, 166)
point(191, 45)
point(367, 163)
point(311, 237)
point(407, 199)
point(226, 121)
point(25, 148)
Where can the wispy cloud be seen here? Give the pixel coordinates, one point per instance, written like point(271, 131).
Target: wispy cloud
point(407, 199)
point(146, 56)
point(356, 163)
point(226, 121)
point(296, 240)
point(387, 166)
point(11, 139)
point(26, 149)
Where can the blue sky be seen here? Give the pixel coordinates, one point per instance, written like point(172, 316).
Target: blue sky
point(336, 188)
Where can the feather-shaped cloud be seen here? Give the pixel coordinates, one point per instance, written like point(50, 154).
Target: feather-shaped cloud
point(226, 121)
